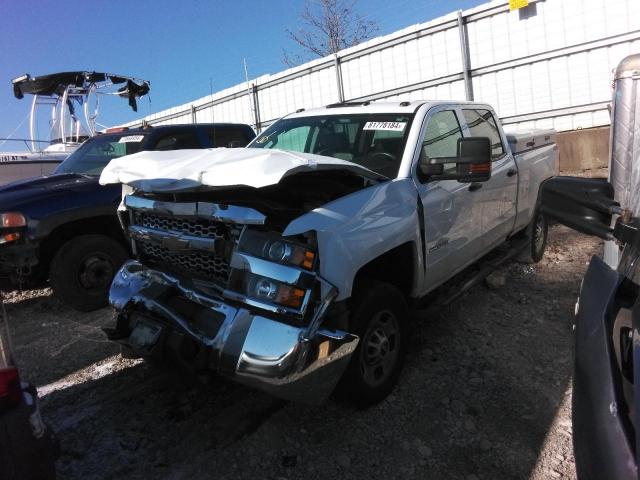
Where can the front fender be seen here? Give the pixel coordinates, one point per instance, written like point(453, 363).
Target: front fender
point(358, 228)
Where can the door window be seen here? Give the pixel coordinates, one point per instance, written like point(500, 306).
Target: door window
point(178, 141)
point(227, 137)
point(441, 138)
point(482, 124)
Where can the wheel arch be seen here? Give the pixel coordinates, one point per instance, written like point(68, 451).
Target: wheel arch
point(396, 266)
point(106, 225)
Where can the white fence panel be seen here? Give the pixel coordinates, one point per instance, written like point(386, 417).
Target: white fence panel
point(548, 65)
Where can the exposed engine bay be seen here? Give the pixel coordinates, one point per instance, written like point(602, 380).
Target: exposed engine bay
point(280, 203)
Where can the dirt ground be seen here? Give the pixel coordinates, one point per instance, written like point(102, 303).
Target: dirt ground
point(485, 394)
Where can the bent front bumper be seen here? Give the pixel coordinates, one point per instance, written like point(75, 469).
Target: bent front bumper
point(296, 363)
point(17, 257)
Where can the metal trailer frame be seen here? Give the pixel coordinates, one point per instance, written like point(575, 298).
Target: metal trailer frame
point(624, 149)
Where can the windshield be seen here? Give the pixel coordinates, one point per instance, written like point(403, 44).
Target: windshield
point(374, 141)
point(94, 154)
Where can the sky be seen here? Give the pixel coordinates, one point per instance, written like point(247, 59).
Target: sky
point(185, 48)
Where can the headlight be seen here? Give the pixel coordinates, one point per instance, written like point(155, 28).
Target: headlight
point(11, 220)
point(274, 248)
point(262, 288)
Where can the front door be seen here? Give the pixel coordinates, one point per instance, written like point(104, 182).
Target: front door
point(452, 227)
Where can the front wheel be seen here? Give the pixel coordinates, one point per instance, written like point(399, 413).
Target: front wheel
point(82, 270)
point(379, 317)
point(536, 232)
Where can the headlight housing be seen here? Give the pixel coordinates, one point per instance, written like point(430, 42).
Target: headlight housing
point(274, 248)
point(273, 272)
point(9, 222)
point(270, 290)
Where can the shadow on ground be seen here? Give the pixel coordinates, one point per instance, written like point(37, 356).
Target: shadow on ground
point(483, 382)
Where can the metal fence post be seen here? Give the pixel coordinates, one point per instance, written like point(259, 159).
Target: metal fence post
point(193, 114)
point(466, 60)
point(256, 106)
point(338, 67)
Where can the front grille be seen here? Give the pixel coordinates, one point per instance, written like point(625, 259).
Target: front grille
point(197, 227)
point(205, 265)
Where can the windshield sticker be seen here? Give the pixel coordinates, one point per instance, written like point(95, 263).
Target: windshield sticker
point(131, 138)
point(389, 126)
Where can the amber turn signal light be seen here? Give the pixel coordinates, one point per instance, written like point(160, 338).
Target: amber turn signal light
point(12, 219)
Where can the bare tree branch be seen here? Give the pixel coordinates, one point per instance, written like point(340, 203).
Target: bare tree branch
point(326, 27)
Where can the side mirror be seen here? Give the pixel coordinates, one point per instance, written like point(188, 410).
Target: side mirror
point(584, 204)
point(472, 163)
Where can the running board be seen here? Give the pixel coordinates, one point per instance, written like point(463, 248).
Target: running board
point(453, 289)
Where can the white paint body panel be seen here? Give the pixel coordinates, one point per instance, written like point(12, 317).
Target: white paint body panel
point(460, 226)
point(447, 225)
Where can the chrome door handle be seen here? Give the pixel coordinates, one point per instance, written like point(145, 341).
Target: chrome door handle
point(511, 172)
point(475, 186)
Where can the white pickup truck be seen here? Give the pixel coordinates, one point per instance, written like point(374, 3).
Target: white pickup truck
point(291, 265)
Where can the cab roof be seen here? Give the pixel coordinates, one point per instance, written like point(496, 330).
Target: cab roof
point(345, 108)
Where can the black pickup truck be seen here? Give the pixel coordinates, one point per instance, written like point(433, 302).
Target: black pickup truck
point(64, 228)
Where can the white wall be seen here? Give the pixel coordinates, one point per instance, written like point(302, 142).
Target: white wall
point(548, 65)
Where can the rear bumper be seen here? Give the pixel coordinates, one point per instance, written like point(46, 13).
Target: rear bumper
point(256, 349)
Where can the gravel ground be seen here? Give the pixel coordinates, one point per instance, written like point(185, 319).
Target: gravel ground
point(485, 394)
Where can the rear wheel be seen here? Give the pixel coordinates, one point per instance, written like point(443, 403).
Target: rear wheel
point(82, 270)
point(536, 232)
point(379, 316)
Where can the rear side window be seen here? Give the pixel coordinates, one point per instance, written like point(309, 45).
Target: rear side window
point(227, 137)
point(178, 141)
point(482, 124)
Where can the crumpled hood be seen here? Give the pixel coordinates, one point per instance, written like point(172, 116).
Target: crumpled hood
point(179, 170)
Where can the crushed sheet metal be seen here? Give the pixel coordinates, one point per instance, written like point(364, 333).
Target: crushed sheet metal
point(179, 170)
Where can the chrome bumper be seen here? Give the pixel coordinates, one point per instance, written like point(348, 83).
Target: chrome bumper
point(296, 363)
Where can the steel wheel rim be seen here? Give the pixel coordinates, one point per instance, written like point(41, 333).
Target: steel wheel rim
point(96, 272)
point(380, 347)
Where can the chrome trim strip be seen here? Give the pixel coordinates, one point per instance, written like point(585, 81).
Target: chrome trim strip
point(212, 211)
point(156, 206)
point(265, 268)
point(318, 315)
point(177, 242)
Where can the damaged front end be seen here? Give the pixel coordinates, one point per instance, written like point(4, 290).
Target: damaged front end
point(217, 287)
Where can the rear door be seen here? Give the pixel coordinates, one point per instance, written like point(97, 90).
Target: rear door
point(452, 233)
point(497, 196)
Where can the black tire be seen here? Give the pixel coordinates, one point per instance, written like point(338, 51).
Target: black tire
point(379, 317)
point(83, 268)
point(536, 233)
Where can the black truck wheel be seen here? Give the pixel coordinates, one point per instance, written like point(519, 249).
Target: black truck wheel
point(536, 233)
point(82, 270)
point(379, 317)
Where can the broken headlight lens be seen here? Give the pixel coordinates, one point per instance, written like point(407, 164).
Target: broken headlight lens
point(274, 248)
